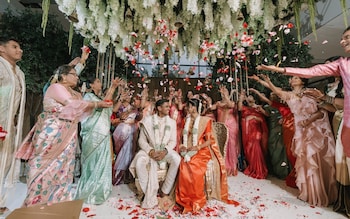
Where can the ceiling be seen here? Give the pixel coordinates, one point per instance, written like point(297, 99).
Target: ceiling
point(327, 43)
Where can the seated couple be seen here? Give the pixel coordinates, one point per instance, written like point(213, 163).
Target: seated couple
point(157, 141)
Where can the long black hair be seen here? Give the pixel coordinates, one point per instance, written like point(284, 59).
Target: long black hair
point(195, 102)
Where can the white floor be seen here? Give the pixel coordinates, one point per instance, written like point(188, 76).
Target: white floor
point(268, 199)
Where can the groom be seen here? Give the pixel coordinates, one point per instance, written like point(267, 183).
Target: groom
point(157, 141)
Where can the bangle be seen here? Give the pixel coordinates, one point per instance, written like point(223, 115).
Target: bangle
point(95, 104)
point(329, 99)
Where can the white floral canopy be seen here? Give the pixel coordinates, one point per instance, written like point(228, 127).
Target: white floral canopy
point(195, 27)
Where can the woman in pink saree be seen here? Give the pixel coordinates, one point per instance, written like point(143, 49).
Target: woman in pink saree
point(313, 144)
point(51, 144)
point(227, 114)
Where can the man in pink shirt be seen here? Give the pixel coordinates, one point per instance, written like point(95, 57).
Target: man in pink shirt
point(340, 67)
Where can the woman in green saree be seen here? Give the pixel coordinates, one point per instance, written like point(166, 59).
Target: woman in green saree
point(95, 184)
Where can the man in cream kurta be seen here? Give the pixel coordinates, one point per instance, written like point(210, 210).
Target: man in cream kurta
point(12, 106)
point(157, 141)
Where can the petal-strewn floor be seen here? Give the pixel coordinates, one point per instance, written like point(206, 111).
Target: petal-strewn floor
point(268, 198)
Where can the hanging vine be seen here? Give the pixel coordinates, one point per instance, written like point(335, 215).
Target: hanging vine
point(45, 6)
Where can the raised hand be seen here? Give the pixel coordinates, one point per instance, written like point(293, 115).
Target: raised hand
point(272, 68)
point(144, 92)
point(254, 77)
point(254, 90)
point(242, 95)
point(265, 78)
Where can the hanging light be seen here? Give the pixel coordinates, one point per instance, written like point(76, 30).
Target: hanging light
point(117, 40)
point(207, 36)
point(178, 24)
point(128, 13)
point(240, 16)
point(73, 17)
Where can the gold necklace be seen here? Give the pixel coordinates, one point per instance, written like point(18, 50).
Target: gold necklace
point(299, 93)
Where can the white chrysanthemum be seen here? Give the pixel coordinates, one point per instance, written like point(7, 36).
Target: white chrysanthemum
point(133, 3)
point(68, 6)
point(226, 19)
point(83, 13)
point(155, 11)
point(173, 2)
point(234, 5)
point(209, 19)
point(192, 6)
point(94, 6)
point(104, 42)
point(147, 22)
point(120, 11)
point(126, 41)
point(119, 50)
point(101, 23)
point(269, 21)
point(255, 8)
point(114, 5)
point(148, 3)
point(61, 6)
point(114, 27)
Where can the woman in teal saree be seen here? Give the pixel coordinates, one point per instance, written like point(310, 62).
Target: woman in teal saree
point(95, 184)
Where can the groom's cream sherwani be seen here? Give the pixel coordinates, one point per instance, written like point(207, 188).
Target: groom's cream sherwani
point(145, 168)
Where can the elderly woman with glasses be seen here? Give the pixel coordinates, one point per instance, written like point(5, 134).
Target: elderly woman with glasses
point(51, 144)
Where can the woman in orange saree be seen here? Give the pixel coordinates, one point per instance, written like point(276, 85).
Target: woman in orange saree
point(198, 148)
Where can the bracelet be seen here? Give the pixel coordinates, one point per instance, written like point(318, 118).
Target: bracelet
point(95, 104)
point(329, 99)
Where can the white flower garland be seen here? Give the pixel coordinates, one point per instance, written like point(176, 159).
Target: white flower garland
point(159, 144)
point(187, 155)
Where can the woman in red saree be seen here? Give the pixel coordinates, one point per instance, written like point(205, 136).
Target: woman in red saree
point(254, 137)
point(177, 113)
point(199, 148)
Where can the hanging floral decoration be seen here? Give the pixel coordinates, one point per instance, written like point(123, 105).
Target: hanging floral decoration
point(192, 27)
